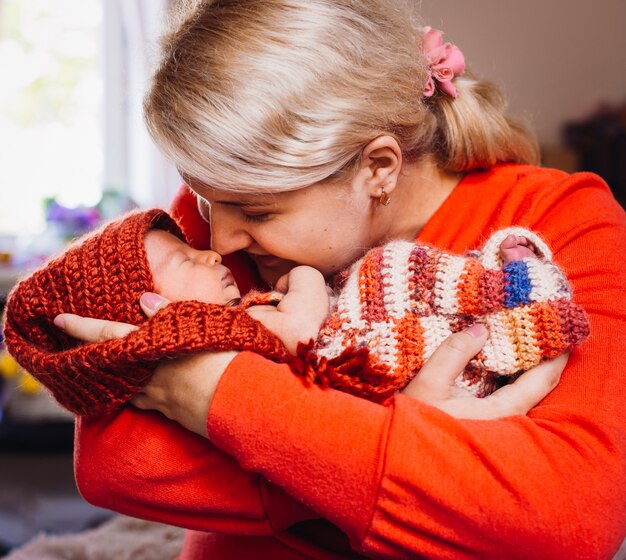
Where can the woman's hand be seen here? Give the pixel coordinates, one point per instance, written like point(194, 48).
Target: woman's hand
point(434, 384)
point(183, 389)
point(180, 389)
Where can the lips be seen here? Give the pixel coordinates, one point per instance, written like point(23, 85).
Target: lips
point(228, 279)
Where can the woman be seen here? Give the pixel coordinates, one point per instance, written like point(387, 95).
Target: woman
point(313, 130)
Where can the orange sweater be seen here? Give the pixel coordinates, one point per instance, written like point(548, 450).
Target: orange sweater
point(300, 472)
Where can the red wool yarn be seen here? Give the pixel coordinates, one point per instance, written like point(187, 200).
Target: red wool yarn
point(399, 302)
point(103, 275)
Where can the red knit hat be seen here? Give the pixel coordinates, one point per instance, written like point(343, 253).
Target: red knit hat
point(103, 275)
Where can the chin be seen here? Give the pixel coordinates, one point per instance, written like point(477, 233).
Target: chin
point(271, 275)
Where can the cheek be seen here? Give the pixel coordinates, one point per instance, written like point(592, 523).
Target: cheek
point(214, 292)
point(332, 250)
point(201, 286)
point(344, 240)
point(329, 239)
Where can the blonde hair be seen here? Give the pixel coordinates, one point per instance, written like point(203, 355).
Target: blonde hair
point(275, 95)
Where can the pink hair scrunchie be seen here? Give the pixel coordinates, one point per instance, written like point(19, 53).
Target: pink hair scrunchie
point(445, 60)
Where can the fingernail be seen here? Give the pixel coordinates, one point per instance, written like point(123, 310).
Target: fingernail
point(59, 322)
point(151, 300)
point(476, 330)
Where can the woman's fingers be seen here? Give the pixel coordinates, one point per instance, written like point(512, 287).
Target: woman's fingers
point(98, 330)
point(530, 388)
point(434, 384)
point(151, 303)
point(91, 330)
point(182, 389)
point(435, 379)
point(140, 400)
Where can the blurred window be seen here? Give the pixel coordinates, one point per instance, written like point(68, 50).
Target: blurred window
point(51, 108)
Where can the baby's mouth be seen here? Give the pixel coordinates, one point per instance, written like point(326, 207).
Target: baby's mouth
point(228, 279)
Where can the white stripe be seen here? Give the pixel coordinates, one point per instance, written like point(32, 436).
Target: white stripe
point(436, 330)
point(331, 343)
point(447, 279)
point(380, 338)
point(499, 352)
point(349, 301)
point(330, 346)
point(547, 280)
point(396, 281)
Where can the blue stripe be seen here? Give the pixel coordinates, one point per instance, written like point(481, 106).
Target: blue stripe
point(517, 284)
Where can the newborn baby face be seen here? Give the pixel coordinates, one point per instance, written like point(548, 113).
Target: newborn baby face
point(183, 273)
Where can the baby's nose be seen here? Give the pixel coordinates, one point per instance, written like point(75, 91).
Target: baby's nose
point(213, 257)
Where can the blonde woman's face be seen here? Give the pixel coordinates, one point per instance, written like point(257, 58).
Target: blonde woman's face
point(323, 226)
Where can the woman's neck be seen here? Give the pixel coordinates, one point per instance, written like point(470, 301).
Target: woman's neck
point(420, 191)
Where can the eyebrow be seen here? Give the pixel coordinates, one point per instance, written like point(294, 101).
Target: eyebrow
point(261, 201)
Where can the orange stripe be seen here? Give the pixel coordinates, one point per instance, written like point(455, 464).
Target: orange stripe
point(409, 347)
point(468, 291)
point(548, 335)
point(371, 289)
point(528, 353)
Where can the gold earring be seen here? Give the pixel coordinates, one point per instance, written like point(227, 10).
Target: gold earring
point(384, 199)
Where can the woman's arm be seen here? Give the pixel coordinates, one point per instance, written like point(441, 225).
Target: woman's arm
point(411, 480)
point(142, 464)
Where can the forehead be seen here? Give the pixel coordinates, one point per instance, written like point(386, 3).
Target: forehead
point(318, 192)
point(162, 238)
point(234, 198)
point(160, 245)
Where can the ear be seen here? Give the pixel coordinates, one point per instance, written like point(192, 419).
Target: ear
point(380, 166)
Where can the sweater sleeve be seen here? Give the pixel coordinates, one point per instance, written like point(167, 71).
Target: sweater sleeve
point(141, 464)
point(408, 480)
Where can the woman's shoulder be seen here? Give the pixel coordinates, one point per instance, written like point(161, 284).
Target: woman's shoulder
point(541, 199)
point(532, 178)
point(533, 191)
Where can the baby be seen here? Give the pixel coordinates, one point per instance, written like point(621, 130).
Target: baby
point(370, 346)
point(181, 272)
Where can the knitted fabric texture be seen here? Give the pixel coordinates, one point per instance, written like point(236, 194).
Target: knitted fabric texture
point(401, 300)
point(103, 275)
point(398, 304)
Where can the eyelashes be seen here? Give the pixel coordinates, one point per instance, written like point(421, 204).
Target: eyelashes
point(256, 218)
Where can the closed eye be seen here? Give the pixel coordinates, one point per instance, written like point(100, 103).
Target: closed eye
point(256, 217)
point(181, 258)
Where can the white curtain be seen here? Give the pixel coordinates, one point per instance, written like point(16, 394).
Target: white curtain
point(133, 163)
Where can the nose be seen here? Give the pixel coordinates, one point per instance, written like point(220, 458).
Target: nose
point(227, 232)
point(213, 258)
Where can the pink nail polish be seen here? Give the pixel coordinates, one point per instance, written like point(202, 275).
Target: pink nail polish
point(476, 330)
point(151, 300)
point(59, 322)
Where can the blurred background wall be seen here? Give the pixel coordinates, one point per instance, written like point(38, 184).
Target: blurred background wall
point(557, 60)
